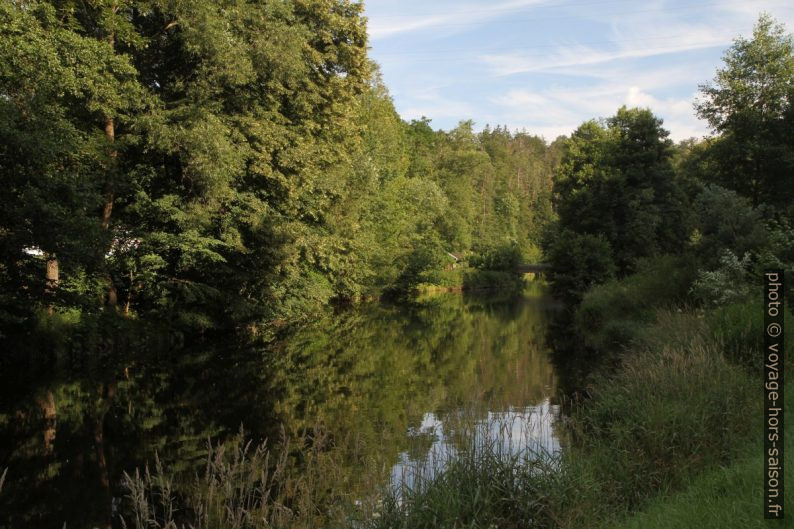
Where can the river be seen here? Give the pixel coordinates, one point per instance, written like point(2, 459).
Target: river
point(400, 384)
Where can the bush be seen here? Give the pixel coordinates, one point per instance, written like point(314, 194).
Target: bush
point(779, 252)
point(578, 261)
point(504, 258)
point(482, 279)
point(726, 284)
point(441, 279)
point(726, 222)
point(425, 258)
point(612, 314)
point(664, 416)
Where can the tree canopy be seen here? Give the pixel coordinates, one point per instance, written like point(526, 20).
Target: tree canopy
point(616, 193)
point(749, 104)
point(214, 164)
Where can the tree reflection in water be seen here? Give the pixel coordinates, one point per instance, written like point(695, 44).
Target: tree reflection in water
point(390, 386)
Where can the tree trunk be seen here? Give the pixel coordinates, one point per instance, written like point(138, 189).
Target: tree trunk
point(107, 211)
point(129, 296)
point(47, 405)
point(112, 294)
point(52, 278)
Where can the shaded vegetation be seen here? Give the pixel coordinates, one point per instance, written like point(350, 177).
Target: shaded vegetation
point(216, 166)
point(191, 192)
point(344, 389)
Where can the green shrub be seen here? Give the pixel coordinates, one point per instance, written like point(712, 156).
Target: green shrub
point(469, 279)
point(578, 261)
point(612, 314)
point(505, 257)
point(482, 279)
point(441, 278)
point(727, 283)
point(664, 417)
point(779, 252)
point(726, 221)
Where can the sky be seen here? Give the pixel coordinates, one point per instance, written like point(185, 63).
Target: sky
point(546, 66)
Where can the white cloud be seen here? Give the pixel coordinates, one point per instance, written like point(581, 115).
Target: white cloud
point(584, 65)
point(431, 103)
point(597, 81)
point(637, 35)
point(382, 27)
point(560, 110)
point(566, 57)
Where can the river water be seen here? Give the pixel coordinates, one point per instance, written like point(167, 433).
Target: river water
point(404, 383)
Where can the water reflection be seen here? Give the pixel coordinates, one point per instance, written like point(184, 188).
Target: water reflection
point(391, 385)
point(518, 431)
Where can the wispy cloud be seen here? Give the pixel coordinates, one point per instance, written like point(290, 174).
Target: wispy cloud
point(553, 65)
point(638, 35)
point(560, 110)
point(564, 58)
point(462, 15)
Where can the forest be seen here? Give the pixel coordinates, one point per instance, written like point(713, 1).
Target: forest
point(214, 167)
point(180, 172)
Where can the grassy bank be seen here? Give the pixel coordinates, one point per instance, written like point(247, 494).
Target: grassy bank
point(667, 436)
point(469, 279)
point(676, 408)
point(727, 497)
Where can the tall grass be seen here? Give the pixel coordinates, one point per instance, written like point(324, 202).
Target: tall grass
point(740, 328)
point(663, 418)
point(489, 475)
point(726, 497)
point(480, 472)
point(675, 407)
point(244, 486)
point(679, 404)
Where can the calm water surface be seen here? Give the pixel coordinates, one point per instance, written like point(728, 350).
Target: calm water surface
point(405, 385)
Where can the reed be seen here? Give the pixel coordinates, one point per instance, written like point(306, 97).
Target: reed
point(247, 486)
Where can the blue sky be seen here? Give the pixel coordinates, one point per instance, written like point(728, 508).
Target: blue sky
point(548, 65)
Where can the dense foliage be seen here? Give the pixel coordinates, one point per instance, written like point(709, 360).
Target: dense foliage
point(192, 166)
point(625, 193)
point(209, 165)
point(618, 200)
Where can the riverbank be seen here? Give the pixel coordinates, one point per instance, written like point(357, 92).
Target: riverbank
point(671, 412)
point(729, 497)
point(465, 279)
